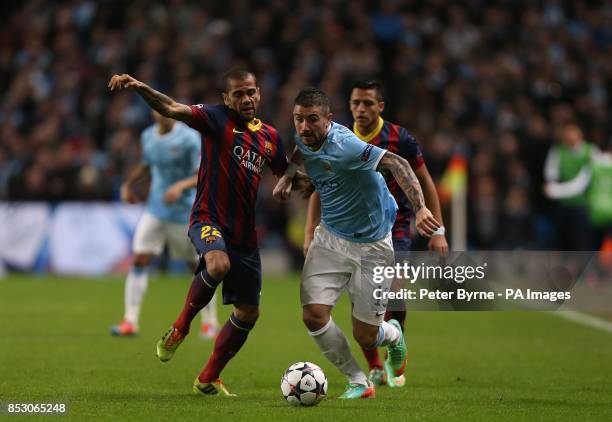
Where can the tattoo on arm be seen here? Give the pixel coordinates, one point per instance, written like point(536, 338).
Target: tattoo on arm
point(163, 104)
point(405, 177)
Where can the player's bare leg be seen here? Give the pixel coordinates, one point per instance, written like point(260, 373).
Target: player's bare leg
point(136, 285)
point(230, 340)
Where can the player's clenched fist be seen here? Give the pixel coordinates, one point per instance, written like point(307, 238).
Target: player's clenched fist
point(426, 224)
point(282, 190)
point(123, 81)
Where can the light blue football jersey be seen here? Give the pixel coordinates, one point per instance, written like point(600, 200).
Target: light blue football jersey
point(171, 157)
point(356, 204)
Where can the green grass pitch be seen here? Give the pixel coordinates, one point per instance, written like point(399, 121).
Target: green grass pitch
point(55, 347)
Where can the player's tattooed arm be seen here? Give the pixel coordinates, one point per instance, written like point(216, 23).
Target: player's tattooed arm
point(408, 182)
point(159, 102)
point(405, 177)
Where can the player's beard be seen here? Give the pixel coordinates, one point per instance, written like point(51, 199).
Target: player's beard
point(317, 144)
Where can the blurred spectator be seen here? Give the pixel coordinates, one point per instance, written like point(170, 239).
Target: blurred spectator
point(492, 78)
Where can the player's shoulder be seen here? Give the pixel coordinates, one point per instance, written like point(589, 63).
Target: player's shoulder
point(396, 132)
point(269, 129)
point(216, 110)
point(148, 133)
point(340, 135)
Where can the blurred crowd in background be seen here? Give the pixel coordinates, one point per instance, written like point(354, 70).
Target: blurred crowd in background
point(496, 81)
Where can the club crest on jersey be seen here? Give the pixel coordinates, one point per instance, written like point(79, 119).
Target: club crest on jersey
point(210, 239)
point(268, 147)
point(327, 166)
point(248, 159)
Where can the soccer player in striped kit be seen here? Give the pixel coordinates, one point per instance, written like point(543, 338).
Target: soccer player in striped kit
point(236, 146)
point(367, 105)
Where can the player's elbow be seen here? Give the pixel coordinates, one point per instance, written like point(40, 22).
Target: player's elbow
point(173, 111)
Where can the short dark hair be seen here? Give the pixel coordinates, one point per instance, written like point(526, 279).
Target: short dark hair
point(312, 97)
point(236, 75)
point(370, 84)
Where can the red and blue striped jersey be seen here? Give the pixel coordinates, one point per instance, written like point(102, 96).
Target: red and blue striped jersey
point(397, 140)
point(234, 153)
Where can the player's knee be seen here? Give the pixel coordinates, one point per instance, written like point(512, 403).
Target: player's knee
point(217, 266)
point(141, 260)
point(365, 338)
point(314, 320)
point(246, 313)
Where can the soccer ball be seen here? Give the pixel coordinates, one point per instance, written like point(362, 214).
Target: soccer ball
point(304, 383)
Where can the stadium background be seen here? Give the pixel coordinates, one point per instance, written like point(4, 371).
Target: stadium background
point(492, 82)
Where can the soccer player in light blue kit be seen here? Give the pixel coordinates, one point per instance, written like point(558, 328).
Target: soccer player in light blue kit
point(171, 155)
point(354, 236)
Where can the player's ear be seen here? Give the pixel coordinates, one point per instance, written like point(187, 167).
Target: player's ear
point(225, 98)
point(330, 116)
point(381, 106)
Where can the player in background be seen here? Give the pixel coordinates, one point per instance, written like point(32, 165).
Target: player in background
point(171, 156)
point(236, 146)
point(367, 105)
point(354, 237)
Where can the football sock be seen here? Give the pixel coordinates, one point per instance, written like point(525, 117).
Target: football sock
point(335, 346)
point(372, 357)
point(200, 293)
point(209, 313)
point(229, 341)
point(135, 288)
point(387, 334)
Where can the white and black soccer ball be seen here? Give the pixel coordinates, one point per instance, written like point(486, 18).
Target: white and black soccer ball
point(304, 384)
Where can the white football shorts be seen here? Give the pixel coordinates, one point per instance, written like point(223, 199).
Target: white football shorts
point(334, 264)
point(152, 234)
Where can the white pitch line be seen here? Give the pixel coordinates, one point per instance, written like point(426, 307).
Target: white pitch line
point(585, 319)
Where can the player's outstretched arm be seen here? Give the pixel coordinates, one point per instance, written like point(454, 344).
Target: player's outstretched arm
point(159, 102)
point(426, 224)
